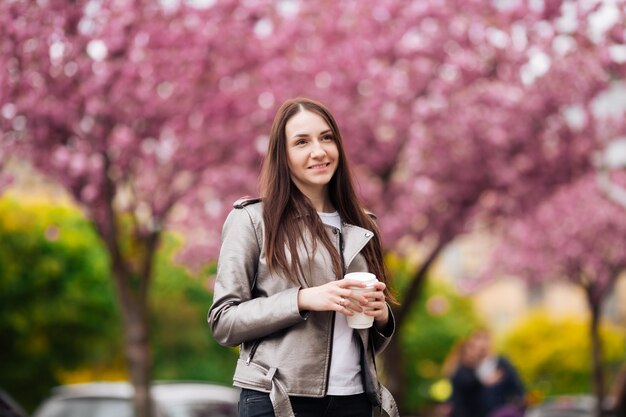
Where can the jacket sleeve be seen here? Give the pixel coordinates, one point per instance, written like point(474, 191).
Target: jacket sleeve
point(511, 377)
point(381, 338)
point(235, 317)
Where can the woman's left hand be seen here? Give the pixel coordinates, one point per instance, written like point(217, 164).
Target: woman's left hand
point(377, 307)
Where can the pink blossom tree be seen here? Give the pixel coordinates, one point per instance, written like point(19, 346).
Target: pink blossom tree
point(135, 108)
point(453, 112)
point(577, 235)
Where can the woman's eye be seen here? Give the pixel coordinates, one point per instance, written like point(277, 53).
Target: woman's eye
point(328, 138)
point(300, 142)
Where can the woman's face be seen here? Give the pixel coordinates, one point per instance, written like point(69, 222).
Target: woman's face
point(312, 152)
point(471, 354)
point(482, 340)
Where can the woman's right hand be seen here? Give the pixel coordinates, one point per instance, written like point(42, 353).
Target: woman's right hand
point(333, 296)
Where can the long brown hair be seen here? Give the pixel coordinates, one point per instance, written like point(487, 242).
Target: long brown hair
point(285, 206)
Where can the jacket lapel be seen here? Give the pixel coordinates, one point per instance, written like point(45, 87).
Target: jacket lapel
point(354, 238)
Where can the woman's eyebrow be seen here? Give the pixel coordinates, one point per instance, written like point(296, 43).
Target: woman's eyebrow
point(306, 135)
point(300, 135)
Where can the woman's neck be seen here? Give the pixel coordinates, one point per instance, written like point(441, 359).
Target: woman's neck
point(321, 203)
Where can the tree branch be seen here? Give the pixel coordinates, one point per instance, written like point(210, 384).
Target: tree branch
point(417, 282)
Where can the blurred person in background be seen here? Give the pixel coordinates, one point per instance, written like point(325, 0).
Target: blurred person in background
point(483, 384)
point(460, 367)
point(279, 292)
point(503, 392)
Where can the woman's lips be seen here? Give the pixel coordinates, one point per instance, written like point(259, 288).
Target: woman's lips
point(319, 166)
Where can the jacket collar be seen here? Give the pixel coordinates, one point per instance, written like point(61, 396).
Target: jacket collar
point(354, 240)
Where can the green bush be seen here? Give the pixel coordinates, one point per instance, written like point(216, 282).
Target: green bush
point(553, 354)
point(57, 310)
point(181, 340)
point(439, 319)
point(58, 314)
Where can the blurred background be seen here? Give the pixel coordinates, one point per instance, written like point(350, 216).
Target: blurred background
point(487, 136)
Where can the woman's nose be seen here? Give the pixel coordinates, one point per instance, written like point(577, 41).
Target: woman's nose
point(317, 150)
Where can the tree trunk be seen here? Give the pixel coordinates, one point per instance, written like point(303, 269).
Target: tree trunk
point(596, 353)
point(138, 358)
point(393, 357)
point(132, 286)
point(413, 293)
point(136, 341)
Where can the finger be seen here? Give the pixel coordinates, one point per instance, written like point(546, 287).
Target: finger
point(347, 283)
point(353, 305)
point(357, 298)
point(343, 301)
point(344, 310)
point(380, 286)
point(335, 289)
point(375, 308)
point(342, 305)
point(345, 293)
point(374, 296)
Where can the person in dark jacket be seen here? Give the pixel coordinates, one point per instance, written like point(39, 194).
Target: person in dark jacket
point(503, 391)
point(467, 389)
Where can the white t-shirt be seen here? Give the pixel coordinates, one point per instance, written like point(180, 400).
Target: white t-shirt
point(345, 365)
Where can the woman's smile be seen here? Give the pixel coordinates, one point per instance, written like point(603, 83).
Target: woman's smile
point(320, 167)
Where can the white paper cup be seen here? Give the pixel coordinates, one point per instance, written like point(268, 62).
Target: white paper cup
point(360, 320)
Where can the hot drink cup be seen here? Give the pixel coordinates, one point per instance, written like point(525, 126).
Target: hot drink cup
point(361, 320)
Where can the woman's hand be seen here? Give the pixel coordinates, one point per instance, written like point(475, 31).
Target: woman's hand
point(495, 377)
point(333, 296)
point(377, 307)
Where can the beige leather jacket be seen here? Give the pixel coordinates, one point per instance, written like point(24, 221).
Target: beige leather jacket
point(284, 351)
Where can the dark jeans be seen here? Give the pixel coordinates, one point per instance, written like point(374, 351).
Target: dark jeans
point(257, 404)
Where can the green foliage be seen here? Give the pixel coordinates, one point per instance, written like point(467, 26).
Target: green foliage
point(58, 315)
point(435, 324)
point(553, 355)
point(182, 343)
point(57, 309)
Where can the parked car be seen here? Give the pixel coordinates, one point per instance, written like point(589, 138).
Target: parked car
point(569, 406)
point(114, 399)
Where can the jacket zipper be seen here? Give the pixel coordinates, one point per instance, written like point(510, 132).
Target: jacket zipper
point(332, 320)
point(343, 261)
point(254, 346)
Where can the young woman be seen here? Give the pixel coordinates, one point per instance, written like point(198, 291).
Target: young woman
point(467, 390)
point(503, 391)
point(279, 292)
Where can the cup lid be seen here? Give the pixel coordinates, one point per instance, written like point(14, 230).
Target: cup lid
point(365, 277)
